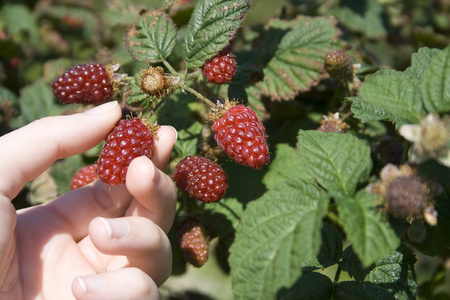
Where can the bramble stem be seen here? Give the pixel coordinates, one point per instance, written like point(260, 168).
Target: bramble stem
point(198, 95)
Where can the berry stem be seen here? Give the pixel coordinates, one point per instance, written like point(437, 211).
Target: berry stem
point(169, 67)
point(199, 96)
point(230, 210)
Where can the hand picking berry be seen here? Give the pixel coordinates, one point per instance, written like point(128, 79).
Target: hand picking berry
point(201, 178)
point(241, 135)
point(129, 139)
point(84, 176)
point(221, 68)
point(85, 84)
point(192, 242)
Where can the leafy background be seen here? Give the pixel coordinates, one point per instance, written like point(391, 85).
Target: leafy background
point(283, 223)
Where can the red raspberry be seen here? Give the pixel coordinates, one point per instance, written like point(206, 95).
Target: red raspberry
point(221, 68)
point(240, 133)
point(84, 176)
point(201, 178)
point(192, 242)
point(129, 139)
point(85, 84)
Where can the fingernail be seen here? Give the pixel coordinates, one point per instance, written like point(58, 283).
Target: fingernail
point(92, 284)
point(102, 108)
point(116, 229)
point(176, 132)
point(155, 173)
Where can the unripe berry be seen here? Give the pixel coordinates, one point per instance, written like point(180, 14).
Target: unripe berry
point(129, 139)
point(220, 68)
point(84, 176)
point(241, 135)
point(201, 178)
point(339, 65)
point(192, 242)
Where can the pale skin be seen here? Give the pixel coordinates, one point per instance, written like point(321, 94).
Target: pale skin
point(97, 242)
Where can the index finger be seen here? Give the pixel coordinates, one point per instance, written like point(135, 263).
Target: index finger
point(27, 152)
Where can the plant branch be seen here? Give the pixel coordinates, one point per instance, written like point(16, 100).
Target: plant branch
point(198, 95)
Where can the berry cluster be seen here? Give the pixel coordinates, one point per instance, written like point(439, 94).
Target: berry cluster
point(221, 68)
point(85, 84)
point(84, 176)
point(129, 139)
point(241, 135)
point(201, 178)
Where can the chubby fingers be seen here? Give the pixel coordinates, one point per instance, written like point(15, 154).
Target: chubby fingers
point(143, 243)
point(30, 150)
point(128, 283)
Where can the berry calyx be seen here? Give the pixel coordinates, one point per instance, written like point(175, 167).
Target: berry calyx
point(221, 68)
point(332, 123)
point(129, 139)
point(241, 135)
point(192, 242)
point(84, 176)
point(201, 178)
point(339, 65)
point(85, 84)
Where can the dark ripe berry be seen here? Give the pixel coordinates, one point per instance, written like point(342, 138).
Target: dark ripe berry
point(201, 178)
point(192, 242)
point(390, 150)
point(84, 176)
point(129, 139)
point(339, 65)
point(85, 84)
point(220, 68)
point(405, 196)
point(242, 136)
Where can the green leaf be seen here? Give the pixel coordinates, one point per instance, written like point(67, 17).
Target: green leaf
point(367, 112)
point(336, 160)
point(152, 38)
point(363, 16)
point(36, 101)
point(212, 25)
point(19, 18)
point(278, 232)
point(395, 271)
point(331, 248)
point(285, 166)
point(298, 60)
point(420, 61)
point(311, 286)
point(436, 83)
point(188, 139)
point(395, 93)
point(372, 237)
point(352, 290)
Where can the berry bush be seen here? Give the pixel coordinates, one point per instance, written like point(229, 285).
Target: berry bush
point(313, 150)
